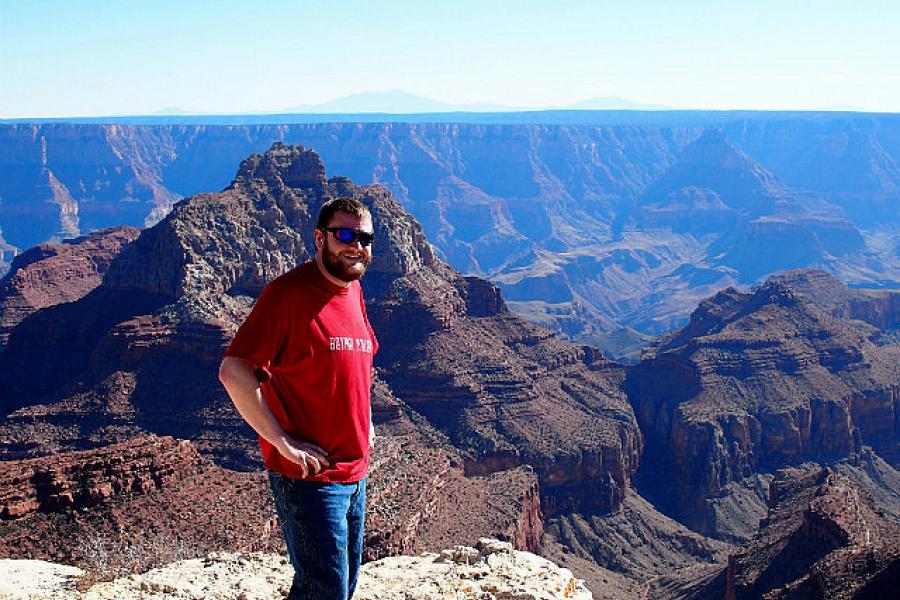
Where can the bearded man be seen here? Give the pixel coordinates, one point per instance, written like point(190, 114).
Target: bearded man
point(299, 372)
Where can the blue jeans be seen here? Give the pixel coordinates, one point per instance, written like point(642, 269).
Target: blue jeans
point(322, 525)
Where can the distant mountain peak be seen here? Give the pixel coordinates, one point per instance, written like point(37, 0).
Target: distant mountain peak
point(397, 101)
point(393, 102)
point(613, 103)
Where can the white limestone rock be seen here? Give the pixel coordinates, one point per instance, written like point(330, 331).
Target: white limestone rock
point(220, 576)
point(492, 570)
point(34, 579)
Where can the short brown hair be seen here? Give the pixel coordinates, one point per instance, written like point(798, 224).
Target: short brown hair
point(347, 205)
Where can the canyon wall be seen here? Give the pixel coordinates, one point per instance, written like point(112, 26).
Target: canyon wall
point(616, 222)
point(755, 382)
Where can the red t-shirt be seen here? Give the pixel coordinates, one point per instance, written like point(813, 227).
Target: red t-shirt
point(312, 346)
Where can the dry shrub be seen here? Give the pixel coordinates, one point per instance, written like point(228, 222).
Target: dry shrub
point(108, 557)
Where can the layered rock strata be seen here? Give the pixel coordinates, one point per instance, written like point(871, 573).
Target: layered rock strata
point(84, 479)
point(51, 274)
point(755, 382)
point(136, 501)
point(822, 538)
point(151, 497)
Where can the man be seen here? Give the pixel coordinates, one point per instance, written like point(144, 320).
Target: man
point(299, 372)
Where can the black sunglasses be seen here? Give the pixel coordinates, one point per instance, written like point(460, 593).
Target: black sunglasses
point(349, 235)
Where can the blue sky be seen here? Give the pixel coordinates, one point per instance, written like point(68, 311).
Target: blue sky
point(131, 57)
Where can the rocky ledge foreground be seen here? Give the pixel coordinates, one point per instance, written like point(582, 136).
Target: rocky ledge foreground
point(491, 570)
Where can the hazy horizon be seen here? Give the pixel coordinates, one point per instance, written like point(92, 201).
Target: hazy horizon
point(96, 58)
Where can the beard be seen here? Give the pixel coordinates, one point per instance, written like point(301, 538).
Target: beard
point(342, 268)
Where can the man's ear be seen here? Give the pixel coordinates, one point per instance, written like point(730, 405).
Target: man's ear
point(319, 238)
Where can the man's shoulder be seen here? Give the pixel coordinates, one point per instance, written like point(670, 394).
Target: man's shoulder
point(292, 282)
point(298, 276)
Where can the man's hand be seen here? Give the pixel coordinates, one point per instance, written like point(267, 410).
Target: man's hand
point(240, 381)
point(310, 458)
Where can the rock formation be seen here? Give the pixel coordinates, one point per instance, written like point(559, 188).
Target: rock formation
point(492, 570)
point(51, 274)
point(755, 382)
point(822, 538)
point(879, 308)
point(84, 479)
point(148, 493)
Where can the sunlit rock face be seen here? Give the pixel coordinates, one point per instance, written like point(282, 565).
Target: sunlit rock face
point(760, 380)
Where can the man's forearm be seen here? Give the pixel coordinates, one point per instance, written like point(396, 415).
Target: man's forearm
point(243, 388)
point(239, 379)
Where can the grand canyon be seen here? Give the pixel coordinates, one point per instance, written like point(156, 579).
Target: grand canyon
point(663, 355)
point(606, 227)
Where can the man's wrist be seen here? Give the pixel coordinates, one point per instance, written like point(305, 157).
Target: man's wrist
point(281, 442)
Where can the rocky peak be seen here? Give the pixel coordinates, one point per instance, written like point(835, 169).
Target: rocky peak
point(757, 381)
point(773, 293)
point(729, 306)
point(822, 289)
point(282, 166)
point(709, 316)
point(202, 247)
point(879, 308)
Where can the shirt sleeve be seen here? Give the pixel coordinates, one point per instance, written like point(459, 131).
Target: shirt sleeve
point(262, 335)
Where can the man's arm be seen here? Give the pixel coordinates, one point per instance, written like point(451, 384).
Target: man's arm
point(243, 388)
